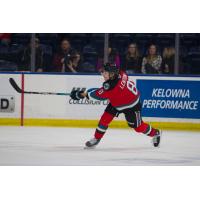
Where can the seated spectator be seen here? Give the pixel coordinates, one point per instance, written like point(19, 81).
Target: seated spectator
point(168, 60)
point(113, 57)
point(133, 61)
point(74, 63)
point(151, 64)
point(62, 57)
point(39, 56)
point(5, 38)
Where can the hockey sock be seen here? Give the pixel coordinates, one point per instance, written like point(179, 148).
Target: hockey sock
point(146, 129)
point(105, 120)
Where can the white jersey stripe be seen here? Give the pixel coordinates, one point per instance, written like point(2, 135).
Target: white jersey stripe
point(139, 118)
point(131, 123)
point(136, 114)
point(128, 106)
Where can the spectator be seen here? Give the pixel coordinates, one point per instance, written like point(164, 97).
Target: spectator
point(5, 38)
point(26, 58)
point(113, 57)
point(168, 60)
point(62, 57)
point(151, 64)
point(133, 61)
point(74, 63)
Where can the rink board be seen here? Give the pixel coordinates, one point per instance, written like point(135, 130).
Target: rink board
point(168, 102)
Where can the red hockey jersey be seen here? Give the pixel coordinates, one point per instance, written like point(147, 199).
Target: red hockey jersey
point(124, 95)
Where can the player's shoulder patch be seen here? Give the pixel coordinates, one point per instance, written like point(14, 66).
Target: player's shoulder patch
point(106, 85)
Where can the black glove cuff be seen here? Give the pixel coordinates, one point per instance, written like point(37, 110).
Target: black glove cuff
point(78, 95)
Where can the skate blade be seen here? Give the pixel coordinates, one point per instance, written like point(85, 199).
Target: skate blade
point(88, 148)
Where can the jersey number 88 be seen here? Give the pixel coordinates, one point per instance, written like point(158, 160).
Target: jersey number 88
point(131, 86)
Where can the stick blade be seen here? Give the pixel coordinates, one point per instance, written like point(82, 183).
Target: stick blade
point(14, 85)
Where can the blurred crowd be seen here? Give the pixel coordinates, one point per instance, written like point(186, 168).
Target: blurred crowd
point(134, 53)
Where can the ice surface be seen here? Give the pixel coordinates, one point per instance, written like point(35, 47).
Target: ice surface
point(120, 147)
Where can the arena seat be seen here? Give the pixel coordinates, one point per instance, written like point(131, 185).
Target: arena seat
point(7, 66)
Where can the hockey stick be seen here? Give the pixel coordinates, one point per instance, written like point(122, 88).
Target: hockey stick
point(19, 90)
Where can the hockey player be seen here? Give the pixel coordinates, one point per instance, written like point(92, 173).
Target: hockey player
point(124, 98)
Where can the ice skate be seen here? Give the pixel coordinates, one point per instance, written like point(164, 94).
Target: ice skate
point(156, 138)
point(92, 143)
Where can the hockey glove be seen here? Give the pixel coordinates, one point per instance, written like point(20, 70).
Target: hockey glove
point(76, 94)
